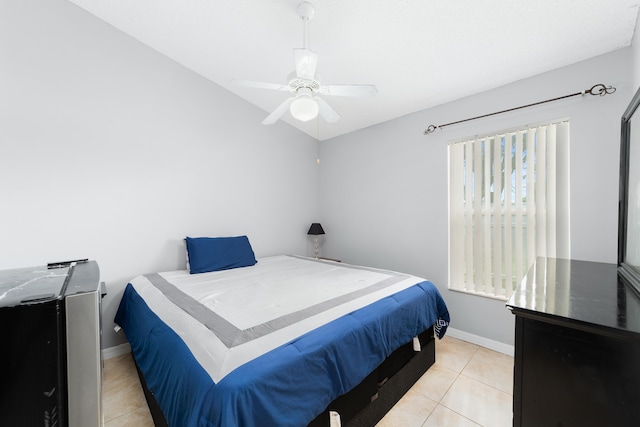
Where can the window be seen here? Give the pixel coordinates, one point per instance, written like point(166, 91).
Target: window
point(508, 204)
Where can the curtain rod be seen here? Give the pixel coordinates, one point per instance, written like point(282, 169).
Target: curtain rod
point(598, 89)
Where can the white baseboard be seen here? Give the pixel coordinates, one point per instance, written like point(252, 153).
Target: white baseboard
point(481, 341)
point(116, 351)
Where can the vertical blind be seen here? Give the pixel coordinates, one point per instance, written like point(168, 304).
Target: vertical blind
point(508, 204)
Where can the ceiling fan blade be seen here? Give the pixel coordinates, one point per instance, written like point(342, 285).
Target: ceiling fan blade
point(349, 90)
point(260, 85)
point(306, 61)
point(325, 110)
point(278, 112)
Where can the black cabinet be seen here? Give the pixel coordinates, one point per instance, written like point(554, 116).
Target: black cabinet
point(577, 347)
point(50, 359)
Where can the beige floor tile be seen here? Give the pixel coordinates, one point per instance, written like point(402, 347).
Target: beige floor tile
point(445, 417)
point(129, 397)
point(121, 390)
point(453, 353)
point(117, 369)
point(492, 368)
point(435, 382)
point(411, 411)
point(479, 402)
point(140, 417)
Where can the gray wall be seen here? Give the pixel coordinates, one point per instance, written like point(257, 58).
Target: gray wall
point(384, 189)
point(111, 151)
point(635, 54)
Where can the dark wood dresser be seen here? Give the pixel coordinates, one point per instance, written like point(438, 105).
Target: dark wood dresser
point(577, 347)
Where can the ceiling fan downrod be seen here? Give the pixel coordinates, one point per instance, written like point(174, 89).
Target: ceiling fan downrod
point(305, 11)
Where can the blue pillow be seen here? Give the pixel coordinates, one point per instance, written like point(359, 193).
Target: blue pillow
point(218, 253)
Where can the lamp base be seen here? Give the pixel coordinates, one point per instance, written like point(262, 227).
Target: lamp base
point(316, 247)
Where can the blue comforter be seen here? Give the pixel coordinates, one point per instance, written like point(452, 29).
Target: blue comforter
point(288, 386)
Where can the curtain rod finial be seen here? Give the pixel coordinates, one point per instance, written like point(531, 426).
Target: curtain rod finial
point(601, 90)
point(430, 129)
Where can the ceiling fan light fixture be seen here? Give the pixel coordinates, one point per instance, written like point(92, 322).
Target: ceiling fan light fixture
point(304, 108)
point(307, 101)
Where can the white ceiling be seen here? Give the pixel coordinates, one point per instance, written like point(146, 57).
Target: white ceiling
point(419, 53)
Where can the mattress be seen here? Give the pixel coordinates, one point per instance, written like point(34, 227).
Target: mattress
point(270, 344)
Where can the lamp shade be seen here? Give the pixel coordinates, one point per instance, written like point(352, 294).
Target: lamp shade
point(315, 229)
point(304, 108)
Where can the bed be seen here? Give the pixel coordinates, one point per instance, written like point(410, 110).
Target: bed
point(282, 340)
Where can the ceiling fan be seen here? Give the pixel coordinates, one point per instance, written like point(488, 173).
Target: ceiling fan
point(307, 91)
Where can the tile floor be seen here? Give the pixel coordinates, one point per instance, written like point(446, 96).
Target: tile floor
point(468, 386)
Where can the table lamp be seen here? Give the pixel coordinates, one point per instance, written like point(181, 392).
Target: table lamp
point(316, 230)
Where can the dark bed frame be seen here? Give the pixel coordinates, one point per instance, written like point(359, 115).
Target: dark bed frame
point(370, 400)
